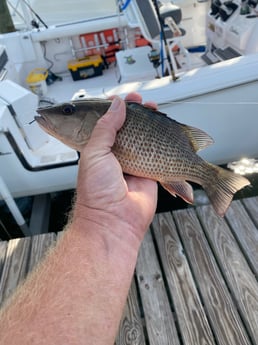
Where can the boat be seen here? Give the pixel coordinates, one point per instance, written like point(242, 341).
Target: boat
point(157, 52)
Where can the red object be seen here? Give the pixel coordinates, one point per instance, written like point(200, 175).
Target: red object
point(105, 43)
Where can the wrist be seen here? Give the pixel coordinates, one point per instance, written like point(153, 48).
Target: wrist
point(108, 229)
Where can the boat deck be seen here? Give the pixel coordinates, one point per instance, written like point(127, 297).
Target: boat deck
point(195, 281)
point(140, 77)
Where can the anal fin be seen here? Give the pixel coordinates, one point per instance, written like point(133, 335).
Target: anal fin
point(180, 188)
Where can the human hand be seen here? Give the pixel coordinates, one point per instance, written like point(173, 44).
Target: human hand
point(104, 194)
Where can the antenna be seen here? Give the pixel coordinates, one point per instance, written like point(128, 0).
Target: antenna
point(35, 14)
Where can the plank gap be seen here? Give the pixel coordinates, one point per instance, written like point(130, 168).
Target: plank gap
point(244, 246)
point(198, 289)
point(171, 303)
point(228, 273)
point(131, 326)
point(169, 295)
point(242, 250)
point(213, 251)
point(251, 206)
point(15, 267)
point(142, 314)
point(187, 256)
point(160, 323)
point(193, 323)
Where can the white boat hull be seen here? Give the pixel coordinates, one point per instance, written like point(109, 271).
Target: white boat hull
point(220, 99)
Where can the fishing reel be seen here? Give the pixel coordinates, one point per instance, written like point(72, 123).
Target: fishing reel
point(154, 57)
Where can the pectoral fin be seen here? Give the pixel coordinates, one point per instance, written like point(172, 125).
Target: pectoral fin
point(180, 188)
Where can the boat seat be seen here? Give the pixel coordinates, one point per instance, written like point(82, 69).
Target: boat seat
point(175, 43)
point(150, 27)
point(170, 10)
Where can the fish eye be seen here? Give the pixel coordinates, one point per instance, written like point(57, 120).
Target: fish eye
point(68, 109)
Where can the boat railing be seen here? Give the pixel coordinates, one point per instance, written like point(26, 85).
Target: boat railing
point(77, 28)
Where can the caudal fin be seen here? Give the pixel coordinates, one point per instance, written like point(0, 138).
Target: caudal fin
point(221, 187)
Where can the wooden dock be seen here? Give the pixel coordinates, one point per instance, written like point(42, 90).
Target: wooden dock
point(195, 281)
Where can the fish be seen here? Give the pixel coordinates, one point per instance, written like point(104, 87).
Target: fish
point(150, 144)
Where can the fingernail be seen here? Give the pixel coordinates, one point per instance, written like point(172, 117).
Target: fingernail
point(115, 104)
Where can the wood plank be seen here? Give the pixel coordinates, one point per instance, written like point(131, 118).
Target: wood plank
point(131, 328)
point(40, 245)
point(191, 316)
point(252, 206)
point(245, 231)
point(220, 308)
point(239, 277)
point(3, 248)
point(15, 266)
point(159, 320)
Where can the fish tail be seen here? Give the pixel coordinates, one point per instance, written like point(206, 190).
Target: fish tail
point(221, 185)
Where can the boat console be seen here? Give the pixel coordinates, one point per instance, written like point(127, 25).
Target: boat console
point(232, 29)
point(223, 10)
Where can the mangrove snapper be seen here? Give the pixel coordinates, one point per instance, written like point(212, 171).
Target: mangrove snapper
point(150, 145)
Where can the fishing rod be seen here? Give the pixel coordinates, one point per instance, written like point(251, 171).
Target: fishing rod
point(35, 14)
point(155, 2)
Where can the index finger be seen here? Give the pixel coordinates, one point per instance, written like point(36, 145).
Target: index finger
point(136, 97)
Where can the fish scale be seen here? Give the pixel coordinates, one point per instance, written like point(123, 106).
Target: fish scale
point(149, 145)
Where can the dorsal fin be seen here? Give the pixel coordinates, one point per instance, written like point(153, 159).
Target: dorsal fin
point(198, 138)
point(142, 107)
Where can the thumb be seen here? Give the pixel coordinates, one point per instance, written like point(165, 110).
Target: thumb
point(104, 134)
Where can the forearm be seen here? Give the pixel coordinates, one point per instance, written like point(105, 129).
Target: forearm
point(77, 295)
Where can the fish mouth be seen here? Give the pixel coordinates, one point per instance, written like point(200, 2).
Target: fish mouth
point(43, 122)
